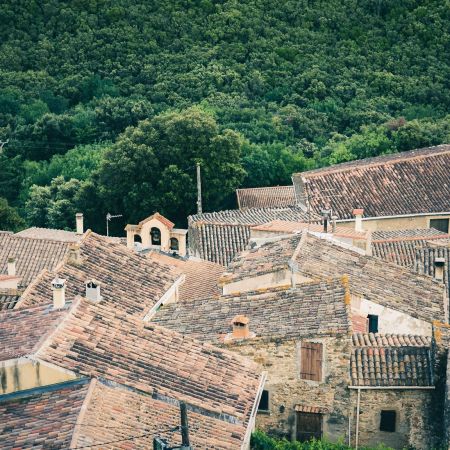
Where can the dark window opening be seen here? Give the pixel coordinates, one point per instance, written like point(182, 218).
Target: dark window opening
point(387, 421)
point(264, 402)
point(174, 244)
point(373, 323)
point(155, 234)
point(311, 361)
point(439, 224)
point(309, 425)
point(137, 238)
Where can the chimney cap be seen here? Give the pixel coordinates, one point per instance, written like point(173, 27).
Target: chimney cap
point(58, 283)
point(11, 259)
point(241, 319)
point(439, 261)
point(358, 211)
point(79, 214)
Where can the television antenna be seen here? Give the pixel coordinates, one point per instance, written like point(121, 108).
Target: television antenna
point(108, 219)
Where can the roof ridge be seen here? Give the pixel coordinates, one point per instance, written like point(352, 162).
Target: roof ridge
point(33, 238)
point(265, 187)
point(413, 238)
point(346, 166)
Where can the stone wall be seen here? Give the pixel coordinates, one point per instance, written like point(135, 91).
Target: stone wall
point(281, 361)
point(414, 424)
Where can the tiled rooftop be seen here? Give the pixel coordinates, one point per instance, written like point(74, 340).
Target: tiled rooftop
point(314, 309)
point(128, 281)
point(51, 234)
point(219, 236)
point(413, 182)
point(201, 276)
point(32, 255)
point(9, 298)
point(391, 360)
point(379, 281)
point(266, 197)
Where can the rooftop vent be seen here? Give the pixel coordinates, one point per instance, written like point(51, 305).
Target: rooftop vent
point(93, 291)
point(12, 266)
point(439, 265)
point(59, 292)
point(240, 327)
point(358, 213)
point(326, 217)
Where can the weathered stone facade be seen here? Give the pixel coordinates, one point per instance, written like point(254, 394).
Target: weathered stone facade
point(281, 361)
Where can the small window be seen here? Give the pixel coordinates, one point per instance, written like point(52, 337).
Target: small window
point(439, 224)
point(264, 402)
point(155, 235)
point(174, 244)
point(309, 426)
point(373, 323)
point(311, 361)
point(387, 421)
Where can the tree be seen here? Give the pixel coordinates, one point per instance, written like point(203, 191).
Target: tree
point(9, 217)
point(153, 166)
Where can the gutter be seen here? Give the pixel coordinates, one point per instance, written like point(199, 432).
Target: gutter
point(251, 423)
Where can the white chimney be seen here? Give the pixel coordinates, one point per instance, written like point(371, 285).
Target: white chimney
point(93, 291)
point(59, 292)
point(12, 266)
point(79, 220)
point(439, 265)
point(358, 213)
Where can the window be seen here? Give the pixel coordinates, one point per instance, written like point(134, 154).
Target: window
point(137, 238)
point(155, 234)
point(309, 425)
point(311, 361)
point(264, 402)
point(373, 323)
point(439, 224)
point(387, 421)
point(174, 244)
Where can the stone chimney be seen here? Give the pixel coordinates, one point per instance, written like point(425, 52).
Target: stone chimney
point(93, 291)
point(240, 327)
point(358, 213)
point(439, 265)
point(74, 255)
point(80, 225)
point(59, 292)
point(12, 266)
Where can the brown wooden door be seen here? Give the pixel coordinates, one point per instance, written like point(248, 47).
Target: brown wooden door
point(309, 425)
point(311, 361)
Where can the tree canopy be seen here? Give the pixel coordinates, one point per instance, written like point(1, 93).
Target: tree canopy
point(281, 85)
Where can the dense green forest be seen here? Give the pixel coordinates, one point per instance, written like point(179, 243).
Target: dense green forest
point(107, 105)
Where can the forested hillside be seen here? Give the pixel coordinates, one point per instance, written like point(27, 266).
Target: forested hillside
point(251, 89)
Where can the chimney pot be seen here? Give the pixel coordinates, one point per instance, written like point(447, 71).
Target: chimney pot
point(79, 221)
point(240, 327)
point(439, 265)
point(59, 292)
point(93, 291)
point(358, 213)
point(12, 266)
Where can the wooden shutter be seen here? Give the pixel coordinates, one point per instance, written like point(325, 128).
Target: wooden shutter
point(309, 425)
point(311, 361)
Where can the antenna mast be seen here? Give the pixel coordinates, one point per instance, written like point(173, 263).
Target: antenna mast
point(199, 190)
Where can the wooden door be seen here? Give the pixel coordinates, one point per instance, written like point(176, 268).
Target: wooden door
point(309, 425)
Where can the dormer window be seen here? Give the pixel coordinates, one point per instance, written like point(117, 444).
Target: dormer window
point(93, 291)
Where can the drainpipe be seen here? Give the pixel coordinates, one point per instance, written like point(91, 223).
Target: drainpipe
point(357, 419)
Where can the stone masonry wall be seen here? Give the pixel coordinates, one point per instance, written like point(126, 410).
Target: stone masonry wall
point(281, 362)
point(413, 424)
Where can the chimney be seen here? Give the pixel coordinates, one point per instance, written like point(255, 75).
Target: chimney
point(59, 292)
point(93, 291)
point(326, 215)
point(358, 213)
point(74, 255)
point(333, 223)
point(79, 220)
point(12, 266)
point(439, 265)
point(240, 327)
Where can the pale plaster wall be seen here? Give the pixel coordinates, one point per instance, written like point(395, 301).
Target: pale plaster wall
point(11, 283)
point(396, 223)
point(390, 320)
point(19, 375)
point(146, 238)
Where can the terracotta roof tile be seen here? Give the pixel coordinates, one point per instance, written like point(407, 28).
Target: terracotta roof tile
point(391, 360)
point(313, 309)
point(51, 234)
point(32, 255)
point(412, 182)
point(266, 197)
point(9, 298)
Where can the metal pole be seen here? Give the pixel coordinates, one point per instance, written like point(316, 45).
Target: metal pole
point(357, 420)
point(185, 445)
point(199, 190)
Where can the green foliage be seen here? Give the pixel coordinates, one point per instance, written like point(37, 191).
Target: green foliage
point(261, 441)
point(9, 217)
point(153, 166)
point(305, 83)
